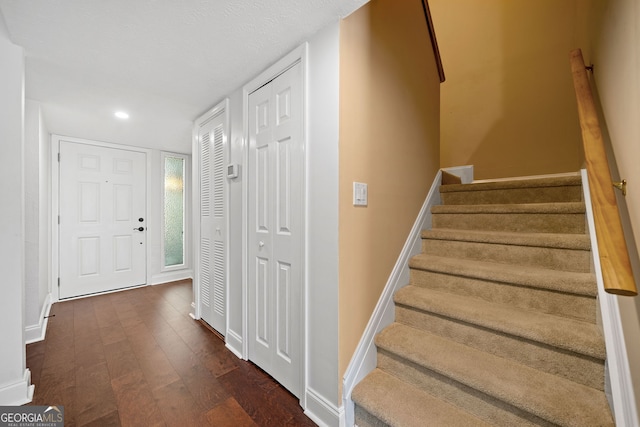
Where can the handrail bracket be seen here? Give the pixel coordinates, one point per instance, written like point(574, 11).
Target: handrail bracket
point(622, 186)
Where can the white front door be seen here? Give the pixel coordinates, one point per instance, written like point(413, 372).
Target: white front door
point(102, 219)
point(275, 234)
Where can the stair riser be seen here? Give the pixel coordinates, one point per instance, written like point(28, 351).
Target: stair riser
point(485, 407)
point(514, 195)
point(569, 223)
point(579, 368)
point(573, 306)
point(552, 258)
point(365, 419)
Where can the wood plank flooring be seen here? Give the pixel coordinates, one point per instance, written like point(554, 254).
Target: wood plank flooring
point(135, 358)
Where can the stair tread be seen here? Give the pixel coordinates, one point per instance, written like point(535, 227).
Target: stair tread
point(546, 240)
point(558, 181)
point(544, 395)
point(564, 333)
point(555, 280)
point(516, 208)
point(397, 403)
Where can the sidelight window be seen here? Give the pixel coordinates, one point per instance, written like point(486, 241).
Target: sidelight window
point(174, 210)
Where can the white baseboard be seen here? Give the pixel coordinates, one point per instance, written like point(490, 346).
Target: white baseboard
point(365, 357)
point(171, 276)
point(18, 393)
point(321, 411)
point(192, 312)
point(35, 333)
point(624, 408)
point(233, 341)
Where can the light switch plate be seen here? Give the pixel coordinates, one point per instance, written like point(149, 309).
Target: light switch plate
point(360, 197)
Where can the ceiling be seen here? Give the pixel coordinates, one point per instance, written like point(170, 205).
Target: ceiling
point(165, 62)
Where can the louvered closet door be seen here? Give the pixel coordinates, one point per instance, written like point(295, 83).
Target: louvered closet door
point(212, 266)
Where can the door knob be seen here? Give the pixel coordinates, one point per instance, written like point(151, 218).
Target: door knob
point(139, 229)
point(261, 243)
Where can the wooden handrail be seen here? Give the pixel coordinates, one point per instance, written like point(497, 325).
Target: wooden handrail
point(614, 257)
point(434, 41)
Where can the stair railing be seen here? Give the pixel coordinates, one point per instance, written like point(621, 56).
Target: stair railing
point(434, 41)
point(614, 256)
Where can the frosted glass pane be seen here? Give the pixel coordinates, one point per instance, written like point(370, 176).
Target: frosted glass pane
point(173, 211)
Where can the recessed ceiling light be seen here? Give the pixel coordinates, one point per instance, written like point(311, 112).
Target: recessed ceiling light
point(122, 115)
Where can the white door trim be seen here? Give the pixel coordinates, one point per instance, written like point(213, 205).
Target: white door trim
point(298, 55)
point(55, 193)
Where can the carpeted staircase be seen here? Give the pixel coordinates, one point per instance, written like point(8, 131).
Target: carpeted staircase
point(498, 323)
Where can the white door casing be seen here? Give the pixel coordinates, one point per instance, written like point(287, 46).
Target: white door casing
point(275, 231)
point(212, 266)
point(102, 197)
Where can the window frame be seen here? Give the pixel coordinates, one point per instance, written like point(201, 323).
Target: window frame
point(185, 211)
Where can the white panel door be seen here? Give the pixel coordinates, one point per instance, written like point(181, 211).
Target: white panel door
point(102, 219)
point(212, 266)
point(275, 231)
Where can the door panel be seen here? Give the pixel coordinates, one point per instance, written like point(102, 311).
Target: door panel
point(262, 189)
point(102, 195)
point(283, 310)
point(283, 186)
point(262, 302)
point(276, 207)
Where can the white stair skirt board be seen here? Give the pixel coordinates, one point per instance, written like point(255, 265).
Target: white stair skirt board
point(18, 393)
point(35, 333)
point(623, 407)
point(364, 359)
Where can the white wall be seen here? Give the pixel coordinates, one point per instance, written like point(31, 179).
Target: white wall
point(323, 377)
point(616, 56)
point(234, 336)
point(15, 380)
point(37, 224)
point(44, 213)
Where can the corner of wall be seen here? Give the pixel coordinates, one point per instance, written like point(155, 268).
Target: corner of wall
point(15, 379)
point(18, 393)
point(323, 412)
point(36, 332)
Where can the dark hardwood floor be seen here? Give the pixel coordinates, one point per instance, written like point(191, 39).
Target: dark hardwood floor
point(136, 358)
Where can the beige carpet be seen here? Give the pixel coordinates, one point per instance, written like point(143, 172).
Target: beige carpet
point(498, 323)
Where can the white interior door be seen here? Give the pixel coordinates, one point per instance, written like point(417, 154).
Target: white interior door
point(212, 265)
point(275, 234)
point(102, 219)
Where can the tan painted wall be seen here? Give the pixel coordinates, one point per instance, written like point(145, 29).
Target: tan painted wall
point(389, 139)
point(508, 105)
point(616, 55)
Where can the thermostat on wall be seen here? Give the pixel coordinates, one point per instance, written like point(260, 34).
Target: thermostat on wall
point(232, 171)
